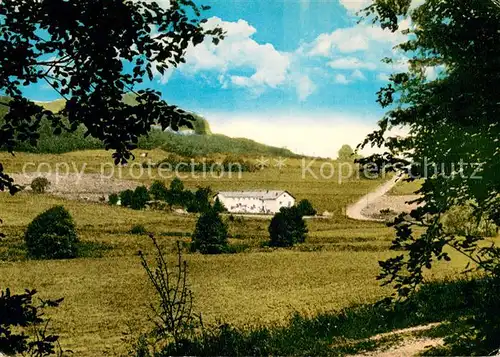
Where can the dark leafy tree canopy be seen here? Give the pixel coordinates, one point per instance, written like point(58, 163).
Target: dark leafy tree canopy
point(287, 227)
point(18, 314)
point(452, 117)
point(210, 235)
point(93, 52)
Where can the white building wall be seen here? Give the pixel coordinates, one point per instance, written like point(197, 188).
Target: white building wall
point(255, 205)
point(284, 200)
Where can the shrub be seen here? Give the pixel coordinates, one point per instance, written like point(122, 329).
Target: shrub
point(158, 191)
point(52, 235)
point(200, 201)
point(460, 221)
point(138, 229)
point(126, 198)
point(186, 198)
point(287, 228)
point(173, 316)
point(139, 198)
point(113, 199)
point(219, 207)
point(210, 235)
point(175, 193)
point(40, 185)
point(306, 208)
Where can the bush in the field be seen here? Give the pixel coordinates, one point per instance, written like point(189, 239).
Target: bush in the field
point(219, 206)
point(200, 200)
point(306, 208)
point(175, 194)
point(113, 199)
point(52, 235)
point(140, 198)
point(287, 228)
point(126, 198)
point(40, 184)
point(210, 235)
point(460, 221)
point(138, 229)
point(158, 191)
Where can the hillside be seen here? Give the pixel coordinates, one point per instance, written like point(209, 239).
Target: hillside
point(199, 141)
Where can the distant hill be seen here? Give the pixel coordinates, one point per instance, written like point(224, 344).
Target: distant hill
point(201, 141)
point(201, 125)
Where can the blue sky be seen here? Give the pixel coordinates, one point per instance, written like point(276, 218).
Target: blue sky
point(296, 73)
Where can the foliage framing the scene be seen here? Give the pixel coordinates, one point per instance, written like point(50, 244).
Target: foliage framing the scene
point(18, 314)
point(445, 102)
point(81, 49)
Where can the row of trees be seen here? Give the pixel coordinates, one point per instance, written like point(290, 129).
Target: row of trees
point(174, 196)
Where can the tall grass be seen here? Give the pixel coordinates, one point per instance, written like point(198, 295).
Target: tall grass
point(343, 332)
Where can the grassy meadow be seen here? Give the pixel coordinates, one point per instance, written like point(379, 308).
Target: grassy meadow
point(107, 292)
point(406, 188)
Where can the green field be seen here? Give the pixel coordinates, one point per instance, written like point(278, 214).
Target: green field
point(406, 188)
point(107, 292)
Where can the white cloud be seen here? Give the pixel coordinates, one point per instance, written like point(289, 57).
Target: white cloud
point(238, 51)
point(357, 74)
point(240, 61)
point(416, 3)
point(165, 77)
point(360, 47)
point(305, 87)
point(353, 39)
point(432, 73)
point(355, 5)
point(341, 79)
point(163, 3)
point(351, 63)
point(384, 77)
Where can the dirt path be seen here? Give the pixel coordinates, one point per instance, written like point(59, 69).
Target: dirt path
point(411, 346)
point(355, 210)
point(378, 206)
point(89, 187)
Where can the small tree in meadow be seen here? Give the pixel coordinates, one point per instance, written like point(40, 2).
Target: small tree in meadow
point(113, 199)
point(40, 184)
point(158, 191)
point(219, 206)
point(210, 235)
point(175, 194)
point(346, 153)
point(52, 235)
point(139, 198)
point(287, 228)
point(306, 208)
point(126, 198)
point(200, 201)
